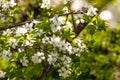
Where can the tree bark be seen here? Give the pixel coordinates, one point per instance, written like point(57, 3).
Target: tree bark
point(79, 28)
point(45, 72)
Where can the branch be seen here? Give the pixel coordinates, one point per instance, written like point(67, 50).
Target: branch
point(79, 28)
point(78, 12)
point(45, 72)
point(73, 20)
point(23, 23)
point(14, 25)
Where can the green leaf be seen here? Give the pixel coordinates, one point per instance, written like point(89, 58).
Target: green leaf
point(91, 29)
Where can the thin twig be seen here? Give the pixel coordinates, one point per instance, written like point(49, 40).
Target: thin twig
point(66, 19)
point(73, 21)
point(14, 25)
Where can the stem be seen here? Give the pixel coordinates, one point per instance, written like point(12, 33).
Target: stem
point(45, 72)
point(14, 25)
point(73, 20)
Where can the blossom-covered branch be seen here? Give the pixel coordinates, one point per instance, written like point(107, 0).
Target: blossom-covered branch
point(46, 42)
point(23, 23)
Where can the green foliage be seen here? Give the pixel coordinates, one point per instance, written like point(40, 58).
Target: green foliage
point(96, 60)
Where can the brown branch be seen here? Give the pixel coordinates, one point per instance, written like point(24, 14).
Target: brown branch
point(78, 12)
point(79, 28)
point(14, 25)
point(45, 72)
point(23, 23)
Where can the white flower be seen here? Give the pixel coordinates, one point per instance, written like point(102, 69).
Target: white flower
point(82, 20)
point(40, 32)
point(6, 54)
point(3, 19)
point(12, 3)
point(7, 32)
point(45, 39)
point(13, 42)
point(62, 45)
point(29, 40)
point(36, 21)
point(64, 72)
point(2, 74)
point(91, 11)
point(55, 40)
point(21, 31)
point(1, 2)
point(24, 61)
point(82, 47)
point(68, 25)
point(45, 4)
point(52, 58)
point(66, 60)
point(55, 28)
point(24, 29)
point(65, 10)
point(20, 50)
point(68, 47)
point(8, 4)
point(76, 50)
point(29, 26)
point(80, 44)
point(56, 22)
point(38, 57)
point(5, 6)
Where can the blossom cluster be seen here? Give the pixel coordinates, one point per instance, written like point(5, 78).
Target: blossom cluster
point(6, 54)
point(7, 5)
point(58, 51)
point(6, 10)
point(24, 61)
point(35, 43)
point(52, 58)
point(91, 11)
point(65, 70)
point(58, 47)
point(81, 4)
point(38, 57)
